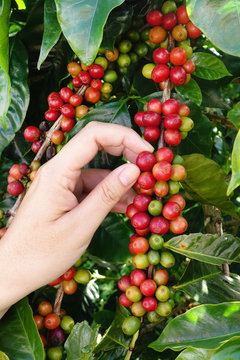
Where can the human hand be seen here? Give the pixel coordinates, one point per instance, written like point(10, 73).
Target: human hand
point(63, 208)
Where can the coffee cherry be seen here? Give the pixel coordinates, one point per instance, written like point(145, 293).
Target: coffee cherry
point(159, 225)
point(51, 115)
point(146, 179)
point(73, 68)
point(134, 237)
point(45, 308)
point(164, 308)
point(69, 287)
point(151, 134)
point(110, 75)
point(67, 323)
point(133, 293)
point(77, 82)
point(15, 172)
point(131, 325)
point(187, 124)
point(15, 188)
point(182, 15)
point(167, 259)
point(160, 73)
point(142, 232)
point(123, 61)
point(170, 106)
point(111, 56)
point(164, 154)
point(148, 192)
point(178, 56)
point(173, 187)
point(81, 111)
point(53, 95)
point(183, 110)
point(124, 283)
point(56, 337)
point(154, 105)
point(153, 257)
point(96, 84)
point(31, 133)
point(157, 34)
point(172, 137)
point(172, 121)
point(82, 276)
point(138, 118)
point(54, 353)
point(140, 220)
point(69, 274)
point(161, 188)
point(149, 304)
point(125, 46)
point(171, 210)
point(55, 103)
point(137, 277)
point(67, 123)
point(150, 118)
point(52, 321)
point(179, 33)
point(154, 17)
point(68, 110)
point(161, 56)
point(193, 31)
point(139, 246)
point(179, 200)
point(162, 293)
point(39, 321)
point(36, 145)
point(65, 94)
point(169, 6)
point(178, 75)
point(85, 77)
point(141, 202)
point(160, 277)
point(35, 165)
point(76, 99)
point(145, 161)
point(57, 137)
point(147, 70)
point(155, 207)
point(124, 301)
point(178, 172)
point(189, 66)
point(55, 282)
point(92, 95)
point(133, 35)
point(140, 261)
point(137, 309)
point(96, 71)
point(148, 287)
point(153, 316)
point(162, 171)
point(156, 241)
point(169, 21)
point(2, 232)
point(179, 225)
point(131, 211)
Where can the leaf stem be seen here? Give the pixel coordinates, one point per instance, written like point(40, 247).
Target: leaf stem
point(132, 346)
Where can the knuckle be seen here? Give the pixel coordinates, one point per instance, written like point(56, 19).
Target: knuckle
point(109, 196)
point(91, 125)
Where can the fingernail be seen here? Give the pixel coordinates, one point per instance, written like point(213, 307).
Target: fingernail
point(146, 143)
point(129, 174)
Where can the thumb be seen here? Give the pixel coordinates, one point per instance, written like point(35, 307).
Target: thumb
point(94, 208)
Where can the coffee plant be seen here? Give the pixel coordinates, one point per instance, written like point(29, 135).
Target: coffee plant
point(163, 280)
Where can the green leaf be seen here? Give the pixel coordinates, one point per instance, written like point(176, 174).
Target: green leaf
point(204, 326)
point(82, 23)
point(219, 21)
point(205, 182)
point(52, 30)
point(235, 179)
point(206, 284)
point(230, 350)
point(19, 94)
point(209, 248)
point(117, 23)
point(190, 91)
point(3, 356)
point(113, 112)
point(19, 336)
point(81, 342)
point(234, 115)
point(4, 61)
point(208, 66)
point(112, 233)
point(192, 354)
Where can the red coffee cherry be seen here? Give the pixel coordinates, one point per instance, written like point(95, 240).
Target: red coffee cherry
point(146, 192)
point(179, 200)
point(172, 121)
point(162, 171)
point(160, 277)
point(159, 225)
point(160, 73)
point(2, 232)
point(96, 71)
point(193, 31)
point(124, 283)
point(52, 115)
point(172, 137)
point(182, 15)
point(53, 95)
point(39, 321)
point(189, 67)
point(140, 220)
point(67, 123)
point(31, 133)
point(161, 56)
point(55, 103)
point(10, 179)
point(150, 118)
point(143, 232)
point(155, 105)
point(183, 110)
point(15, 172)
point(148, 287)
point(149, 304)
point(55, 282)
point(169, 21)
point(137, 276)
point(76, 100)
point(145, 161)
point(68, 110)
point(161, 188)
point(134, 237)
point(69, 287)
point(141, 202)
point(69, 274)
point(92, 95)
point(36, 146)
point(85, 77)
point(146, 180)
point(15, 188)
point(65, 94)
point(131, 210)
point(124, 301)
point(178, 226)
point(171, 210)
point(96, 84)
point(170, 106)
point(45, 308)
point(157, 34)
point(164, 154)
point(151, 134)
point(138, 118)
point(178, 75)
point(24, 169)
point(154, 17)
point(52, 321)
point(139, 246)
point(178, 56)
point(77, 82)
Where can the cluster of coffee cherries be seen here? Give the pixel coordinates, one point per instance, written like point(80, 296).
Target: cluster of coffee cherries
point(175, 119)
point(53, 329)
point(175, 64)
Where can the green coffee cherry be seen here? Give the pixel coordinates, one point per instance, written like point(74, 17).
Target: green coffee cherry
point(156, 241)
point(145, 34)
point(162, 293)
point(133, 57)
point(110, 76)
point(1, 214)
point(141, 49)
point(178, 160)
point(167, 259)
point(67, 323)
point(125, 46)
point(173, 187)
point(124, 60)
point(164, 308)
point(133, 35)
point(153, 257)
point(55, 353)
point(82, 276)
point(147, 70)
point(187, 124)
point(152, 316)
point(184, 134)
point(131, 325)
point(106, 88)
point(169, 6)
point(100, 60)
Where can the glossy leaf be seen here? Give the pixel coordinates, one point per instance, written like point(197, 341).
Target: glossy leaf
point(204, 326)
point(209, 248)
point(4, 62)
point(206, 284)
point(114, 112)
point(193, 353)
point(234, 115)
point(190, 91)
point(205, 182)
point(214, 94)
point(235, 179)
point(208, 66)
point(19, 337)
point(230, 350)
point(81, 342)
point(219, 21)
point(19, 94)
point(113, 233)
point(52, 30)
point(82, 23)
